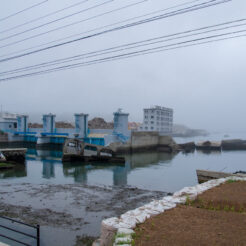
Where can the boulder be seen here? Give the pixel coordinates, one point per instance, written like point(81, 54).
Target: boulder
point(234, 144)
point(187, 147)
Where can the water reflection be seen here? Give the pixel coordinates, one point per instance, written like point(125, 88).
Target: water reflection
point(17, 172)
point(44, 154)
point(77, 171)
point(48, 169)
point(51, 159)
point(146, 159)
point(156, 171)
point(208, 152)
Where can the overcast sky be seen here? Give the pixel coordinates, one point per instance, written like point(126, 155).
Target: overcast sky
point(205, 84)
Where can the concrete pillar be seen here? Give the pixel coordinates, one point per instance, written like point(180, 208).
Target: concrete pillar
point(121, 123)
point(49, 123)
point(22, 123)
point(81, 125)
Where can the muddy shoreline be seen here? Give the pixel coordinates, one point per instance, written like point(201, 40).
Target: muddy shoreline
point(69, 214)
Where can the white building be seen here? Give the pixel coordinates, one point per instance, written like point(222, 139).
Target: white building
point(158, 119)
point(8, 122)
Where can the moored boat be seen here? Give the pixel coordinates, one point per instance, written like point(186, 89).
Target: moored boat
point(75, 150)
point(205, 175)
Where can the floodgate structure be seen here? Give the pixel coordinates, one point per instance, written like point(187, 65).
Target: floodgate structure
point(16, 128)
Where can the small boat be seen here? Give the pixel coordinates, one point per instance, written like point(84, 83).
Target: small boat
point(75, 150)
point(205, 175)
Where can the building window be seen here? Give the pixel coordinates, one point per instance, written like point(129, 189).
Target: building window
point(15, 125)
point(152, 122)
point(152, 128)
point(10, 126)
point(146, 122)
point(146, 128)
point(152, 117)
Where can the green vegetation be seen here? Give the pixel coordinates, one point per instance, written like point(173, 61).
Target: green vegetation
point(199, 203)
point(231, 181)
point(121, 235)
point(188, 201)
point(124, 242)
point(5, 165)
point(85, 241)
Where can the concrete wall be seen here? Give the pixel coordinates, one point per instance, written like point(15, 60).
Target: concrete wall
point(107, 131)
point(145, 141)
point(141, 140)
point(3, 138)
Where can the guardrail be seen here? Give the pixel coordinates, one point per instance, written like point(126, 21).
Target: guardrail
point(37, 228)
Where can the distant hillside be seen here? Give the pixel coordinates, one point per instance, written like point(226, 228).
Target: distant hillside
point(100, 123)
point(184, 131)
point(59, 124)
point(35, 125)
point(62, 124)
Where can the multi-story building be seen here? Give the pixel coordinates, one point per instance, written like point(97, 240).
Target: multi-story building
point(158, 119)
point(8, 122)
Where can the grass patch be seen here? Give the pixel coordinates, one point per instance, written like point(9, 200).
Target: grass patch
point(84, 241)
point(231, 181)
point(121, 235)
point(209, 205)
point(124, 242)
point(6, 165)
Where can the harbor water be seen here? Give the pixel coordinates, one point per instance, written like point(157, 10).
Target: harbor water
point(70, 200)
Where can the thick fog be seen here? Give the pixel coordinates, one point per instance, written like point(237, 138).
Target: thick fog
point(204, 84)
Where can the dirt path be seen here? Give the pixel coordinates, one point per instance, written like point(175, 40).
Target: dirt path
point(67, 212)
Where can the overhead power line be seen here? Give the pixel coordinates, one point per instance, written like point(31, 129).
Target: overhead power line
point(23, 10)
point(56, 20)
point(44, 16)
point(158, 17)
point(188, 43)
point(134, 45)
point(98, 28)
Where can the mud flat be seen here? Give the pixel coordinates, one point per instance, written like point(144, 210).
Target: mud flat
point(69, 214)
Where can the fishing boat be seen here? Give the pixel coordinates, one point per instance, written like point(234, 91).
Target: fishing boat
point(206, 175)
point(75, 150)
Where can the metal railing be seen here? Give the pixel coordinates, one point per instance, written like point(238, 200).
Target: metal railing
point(37, 228)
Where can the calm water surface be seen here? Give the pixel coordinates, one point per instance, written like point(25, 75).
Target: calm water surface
point(152, 171)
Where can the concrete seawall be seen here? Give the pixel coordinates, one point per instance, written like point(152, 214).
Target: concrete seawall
point(145, 141)
point(123, 226)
